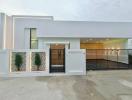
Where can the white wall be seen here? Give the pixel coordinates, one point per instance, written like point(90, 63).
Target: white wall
point(1, 35)
point(6, 31)
point(117, 44)
point(20, 23)
point(129, 43)
point(85, 29)
point(130, 46)
point(74, 42)
point(69, 29)
point(75, 62)
point(9, 32)
point(2, 17)
point(4, 62)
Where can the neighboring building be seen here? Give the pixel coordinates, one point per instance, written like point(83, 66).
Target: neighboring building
point(106, 45)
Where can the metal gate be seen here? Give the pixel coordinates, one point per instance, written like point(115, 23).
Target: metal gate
point(103, 59)
point(57, 60)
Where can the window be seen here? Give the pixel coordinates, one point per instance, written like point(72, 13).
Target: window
point(33, 39)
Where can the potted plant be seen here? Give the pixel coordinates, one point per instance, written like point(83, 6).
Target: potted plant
point(37, 61)
point(18, 61)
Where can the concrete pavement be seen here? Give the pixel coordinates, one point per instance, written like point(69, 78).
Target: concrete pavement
point(96, 85)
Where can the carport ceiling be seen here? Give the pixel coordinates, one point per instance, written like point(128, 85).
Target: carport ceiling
point(99, 40)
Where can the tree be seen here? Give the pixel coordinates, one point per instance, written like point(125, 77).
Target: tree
point(37, 61)
point(18, 61)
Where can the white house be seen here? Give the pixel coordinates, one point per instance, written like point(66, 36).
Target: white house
point(64, 47)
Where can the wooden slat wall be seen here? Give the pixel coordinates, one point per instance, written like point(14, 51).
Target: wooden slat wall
point(91, 46)
point(95, 53)
point(56, 60)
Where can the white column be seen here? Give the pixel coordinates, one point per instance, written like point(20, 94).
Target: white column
point(28, 61)
point(4, 62)
point(129, 43)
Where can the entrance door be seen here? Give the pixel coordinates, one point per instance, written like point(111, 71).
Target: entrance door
point(57, 58)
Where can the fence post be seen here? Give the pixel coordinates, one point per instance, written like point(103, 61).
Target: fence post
point(28, 61)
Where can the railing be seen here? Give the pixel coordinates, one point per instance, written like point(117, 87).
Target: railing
point(108, 58)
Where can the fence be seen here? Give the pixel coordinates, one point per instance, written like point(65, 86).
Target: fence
point(24, 61)
point(76, 61)
point(21, 63)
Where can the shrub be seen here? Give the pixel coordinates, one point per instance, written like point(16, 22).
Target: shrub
point(18, 61)
point(37, 61)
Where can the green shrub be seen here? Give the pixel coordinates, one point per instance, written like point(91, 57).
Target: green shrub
point(18, 61)
point(37, 61)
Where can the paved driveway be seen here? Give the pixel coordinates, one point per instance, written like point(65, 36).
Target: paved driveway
point(97, 85)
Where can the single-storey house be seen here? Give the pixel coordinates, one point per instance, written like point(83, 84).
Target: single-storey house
point(40, 45)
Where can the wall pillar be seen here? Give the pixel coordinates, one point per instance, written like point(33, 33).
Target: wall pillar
point(129, 43)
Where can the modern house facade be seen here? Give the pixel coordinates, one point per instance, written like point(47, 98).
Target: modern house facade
point(66, 47)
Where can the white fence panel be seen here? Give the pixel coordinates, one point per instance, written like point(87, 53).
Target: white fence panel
point(76, 62)
point(4, 62)
point(28, 68)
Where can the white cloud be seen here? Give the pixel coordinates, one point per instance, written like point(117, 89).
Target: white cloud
point(93, 10)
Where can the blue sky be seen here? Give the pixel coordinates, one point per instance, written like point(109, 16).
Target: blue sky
point(85, 10)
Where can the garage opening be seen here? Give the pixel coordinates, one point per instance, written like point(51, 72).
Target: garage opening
point(104, 54)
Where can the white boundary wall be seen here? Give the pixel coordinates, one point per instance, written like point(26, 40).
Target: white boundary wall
point(4, 62)
point(76, 62)
point(28, 71)
point(2, 30)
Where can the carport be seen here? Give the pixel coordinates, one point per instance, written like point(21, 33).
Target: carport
point(106, 54)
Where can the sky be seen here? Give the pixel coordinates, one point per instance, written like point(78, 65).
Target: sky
point(80, 10)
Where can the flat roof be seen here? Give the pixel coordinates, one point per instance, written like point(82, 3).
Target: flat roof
point(86, 29)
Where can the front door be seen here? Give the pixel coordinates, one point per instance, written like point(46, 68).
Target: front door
point(57, 58)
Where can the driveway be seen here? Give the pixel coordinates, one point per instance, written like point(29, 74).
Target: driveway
point(96, 85)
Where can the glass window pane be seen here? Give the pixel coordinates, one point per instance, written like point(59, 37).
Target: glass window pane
point(33, 34)
point(34, 44)
point(34, 40)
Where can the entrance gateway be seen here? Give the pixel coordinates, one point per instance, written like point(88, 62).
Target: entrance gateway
point(57, 58)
